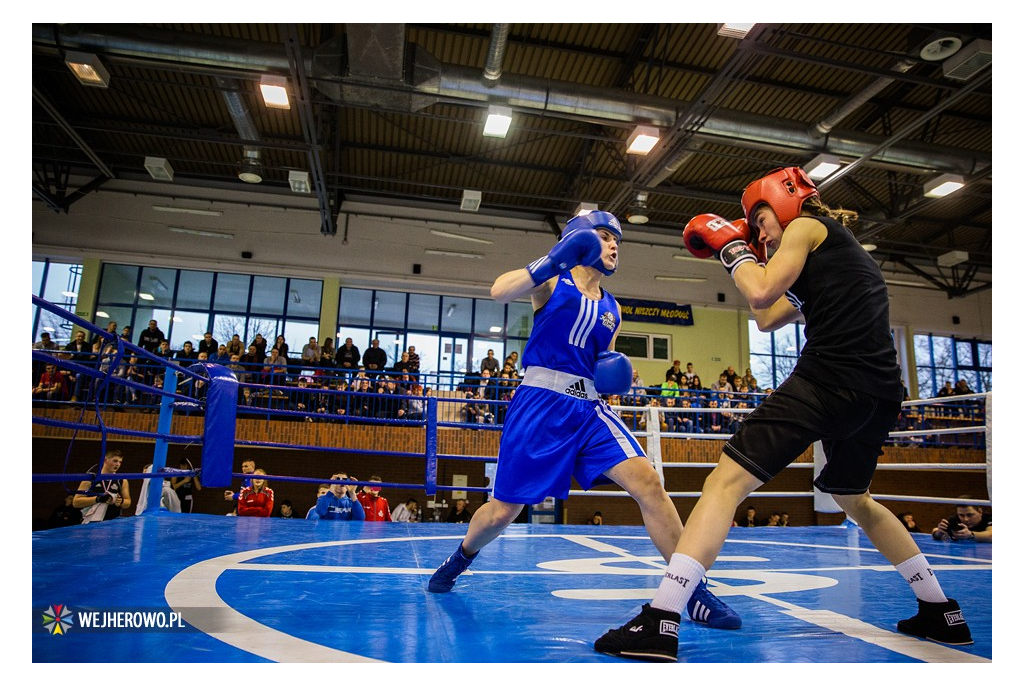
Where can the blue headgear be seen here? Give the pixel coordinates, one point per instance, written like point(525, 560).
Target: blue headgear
point(596, 220)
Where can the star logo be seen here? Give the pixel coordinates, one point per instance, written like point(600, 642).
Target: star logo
point(58, 619)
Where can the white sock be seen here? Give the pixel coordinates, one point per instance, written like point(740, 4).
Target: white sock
point(681, 579)
point(918, 572)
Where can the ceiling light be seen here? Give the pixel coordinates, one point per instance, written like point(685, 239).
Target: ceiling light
point(68, 293)
point(299, 181)
point(200, 232)
point(680, 279)
point(734, 30)
point(252, 169)
point(453, 253)
point(822, 166)
point(941, 48)
point(943, 185)
point(637, 212)
point(495, 329)
point(159, 168)
point(88, 69)
point(909, 284)
point(102, 314)
point(146, 296)
point(952, 258)
point(472, 239)
point(471, 200)
point(869, 247)
point(584, 208)
point(690, 258)
point(642, 140)
point(178, 319)
point(275, 91)
point(187, 210)
point(499, 118)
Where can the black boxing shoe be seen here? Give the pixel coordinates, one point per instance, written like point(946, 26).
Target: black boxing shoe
point(652, 636)
point(938, 621)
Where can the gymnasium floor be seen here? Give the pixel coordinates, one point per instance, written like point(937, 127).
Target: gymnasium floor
point(257, 590)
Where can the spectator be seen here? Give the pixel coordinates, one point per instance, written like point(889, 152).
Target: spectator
point(221, 356)
point(695, 383)
point(676, 372)
point(275, 368)
point(103, 499)
point(773, 519)
point(261, 347)
point(235, 345)
point(731, 376)
point(784, 520)
point(460, 513)
point(251, 362)
point(408, 512)
point(749, 379)
point(53, 385)
point(285, 510)
point(150, 338)
point(78, 347)
point(111, 334)
point(670, 388)
point(723, 384)
point(186, 355)
point(375, 360)
point(126, 333)
point(185, 487)
point(414, 361)
point(338, 503)
point(970, 523)
point(688, 376)
point(282, 347)
point(513, 360)
point(907, 519)
point(750, 520)
point(945, 391)
point(402, 366)
point(348, 357)
point(248, 468)
point(596, 520)
point(489, 363)
point(46, 345)
point(209, 345)
point(257, 499)
point(311, 515)
point(327, 353)
point(415, 404)
point(311, 353)
point(65, 514)
point(375, 506)
point(673, 419)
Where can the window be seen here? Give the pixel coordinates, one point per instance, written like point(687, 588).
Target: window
point(946, 358)
point(649, 346)
point(773, 355)
point(57, 284)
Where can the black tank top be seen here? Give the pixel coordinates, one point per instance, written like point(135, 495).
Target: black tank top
point(845, 304)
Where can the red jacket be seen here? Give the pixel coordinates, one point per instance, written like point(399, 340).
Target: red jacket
point(252, 503)
point(376, 508)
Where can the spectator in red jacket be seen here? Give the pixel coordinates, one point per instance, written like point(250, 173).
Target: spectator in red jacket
point(375, 506)
point(256, 499)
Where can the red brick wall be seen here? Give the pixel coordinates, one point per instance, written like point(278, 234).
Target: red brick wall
point(340, 447)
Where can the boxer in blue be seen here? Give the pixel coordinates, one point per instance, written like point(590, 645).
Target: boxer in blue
point(557, 427)
point(844, 391)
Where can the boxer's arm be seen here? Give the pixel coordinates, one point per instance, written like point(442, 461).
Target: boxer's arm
point(514, 284)
point(764, 285)
point(775, 317)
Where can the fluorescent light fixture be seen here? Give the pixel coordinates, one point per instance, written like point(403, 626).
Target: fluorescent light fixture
point(68, 293)
point(197, 336)
point(471, 200)
point(495, 329)
point(642, 140)
point(472, 239)
point(102, 314)
point(943, 185)
point(908, 284)
point(734, 30)
point(681, 279)
point(88, 69)
point(275, 91)
point(869, 247)
point(822, 166)
point(187, 210)
point(178, 319)
point(453, 253)
point(690, 258)
point(49, 329)
point(200, 232)
point(499, 118)
point(584, 208)
point(146, 296)
point(159, 168)
point(952, 258)
point(299, 181)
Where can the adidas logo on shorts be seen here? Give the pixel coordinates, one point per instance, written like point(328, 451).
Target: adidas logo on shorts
point(954, 618)
point(577, 389)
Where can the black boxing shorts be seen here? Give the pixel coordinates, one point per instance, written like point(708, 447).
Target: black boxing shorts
point(851, 425)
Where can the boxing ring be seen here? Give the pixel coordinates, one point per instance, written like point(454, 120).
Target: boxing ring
point(204, 588)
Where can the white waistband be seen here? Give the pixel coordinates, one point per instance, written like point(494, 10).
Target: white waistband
point(560, 382)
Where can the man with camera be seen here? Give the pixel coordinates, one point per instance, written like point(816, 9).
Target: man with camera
point(970, 524)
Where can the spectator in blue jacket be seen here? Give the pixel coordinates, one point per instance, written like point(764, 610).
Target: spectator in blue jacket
point(337, 504)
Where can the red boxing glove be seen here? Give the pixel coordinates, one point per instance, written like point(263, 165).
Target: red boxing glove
point(709, 234)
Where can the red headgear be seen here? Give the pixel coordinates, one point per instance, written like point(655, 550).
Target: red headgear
point(784, 190)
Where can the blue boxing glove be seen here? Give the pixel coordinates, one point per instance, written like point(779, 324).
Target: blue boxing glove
point(613, 374)
point(581, 246)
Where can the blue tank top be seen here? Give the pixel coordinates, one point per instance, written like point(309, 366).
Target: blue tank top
point(570, 330)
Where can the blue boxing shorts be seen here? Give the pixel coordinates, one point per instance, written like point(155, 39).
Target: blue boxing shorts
point(557, 428)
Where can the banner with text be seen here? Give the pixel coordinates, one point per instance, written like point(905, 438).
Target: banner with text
point(648, 311)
